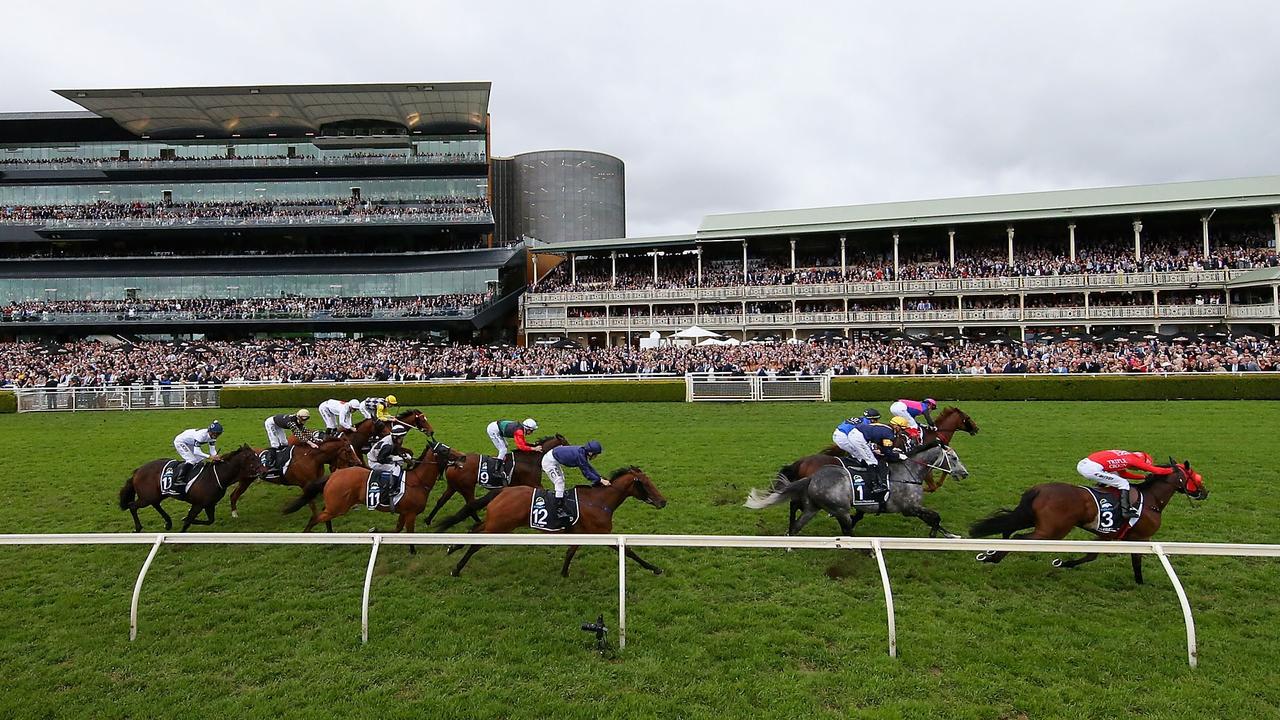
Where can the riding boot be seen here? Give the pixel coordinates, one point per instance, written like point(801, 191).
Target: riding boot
point(1127, 510)
point(269, 462)
point(554, 519)
point(882, 482)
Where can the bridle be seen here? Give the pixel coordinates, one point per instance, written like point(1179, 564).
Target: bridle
point(948, 469)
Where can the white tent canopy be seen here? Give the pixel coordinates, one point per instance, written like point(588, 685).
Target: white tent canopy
point(694, 333)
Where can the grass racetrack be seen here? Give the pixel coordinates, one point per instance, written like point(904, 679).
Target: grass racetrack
point(273, 631)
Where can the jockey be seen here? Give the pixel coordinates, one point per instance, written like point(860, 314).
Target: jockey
point(388, 453)
point(498, 430)
point(277, 424)
point(872, 442)
point(909, 410)
point(337, 414)
point(376, 408)
point(1115, 468)
point(188, 443)
point(553, 464)
point(900, 424)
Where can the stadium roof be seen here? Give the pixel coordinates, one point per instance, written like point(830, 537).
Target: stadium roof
point(1130, 200)
point(1125, 200)
point(256, 110)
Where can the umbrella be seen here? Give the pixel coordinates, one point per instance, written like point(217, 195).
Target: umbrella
point(694, 333)
point(712, 341)
point(1181, 338)
point(565, 343)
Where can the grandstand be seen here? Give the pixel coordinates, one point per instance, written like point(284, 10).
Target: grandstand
point(1168, 259)
point(340, 210)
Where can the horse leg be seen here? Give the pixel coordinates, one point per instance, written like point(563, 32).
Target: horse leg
point(857, 518)
point(168, 521)
point(444, 498)
point(568, 558)
point(846, 522)
point(190, 519)
point(235, 495)
point(995, 556)
point(647, 566)
point(1136, 560)
point(469, 495)
point(808, 515)
point(408, 526)
point(1060, 563)
point(796, 508)
point(472, 550)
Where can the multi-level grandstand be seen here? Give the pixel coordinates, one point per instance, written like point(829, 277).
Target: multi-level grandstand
point(1165, 259)
point(226, 211)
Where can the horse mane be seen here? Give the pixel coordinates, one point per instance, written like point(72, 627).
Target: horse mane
point(406, 413)
point(831, 450)
point(541, 440)
point(623, 471)
point(925, 447)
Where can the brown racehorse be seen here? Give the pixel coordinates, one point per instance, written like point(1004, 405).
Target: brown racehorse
point(462, 480)
point(345, 489)
point(596, 507)
point(211, 482)
point(307, 465)
point(1054, 508)
point(367, 430)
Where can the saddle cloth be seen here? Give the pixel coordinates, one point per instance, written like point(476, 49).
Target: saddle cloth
point(167, 475)
point(384, 489)
point(1108, 519)
point(493, 473)
point(277, 471)
point(863, 484)
point(538, 515)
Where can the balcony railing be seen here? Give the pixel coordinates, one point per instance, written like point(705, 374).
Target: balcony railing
point(913, 317)
point(301, 161)
point(111, 318)
point(903, 287)
point(484, 218)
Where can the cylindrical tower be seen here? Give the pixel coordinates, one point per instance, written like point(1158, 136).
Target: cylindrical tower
point(570, 195)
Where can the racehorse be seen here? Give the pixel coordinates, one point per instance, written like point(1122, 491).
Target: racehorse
point(211, 482)
point(368, 429)
point(596, 507)
point(463, 479)
point(950, 420)
point(829, 489)
point(307, 465)
point(344, 489)
point(1054, 508)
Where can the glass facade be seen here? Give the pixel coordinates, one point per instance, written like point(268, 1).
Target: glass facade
point(407, 190)
point(247, 286)
point(570, 195)
point(151, 150)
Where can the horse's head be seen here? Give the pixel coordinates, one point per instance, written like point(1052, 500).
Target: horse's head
point(953, 418)
point(941, 457)
point(417, 419)
point(443, 455)
point(347, 455)
point(641, 487)
point(1188, 480)
point(952, 464)
point(244, 460)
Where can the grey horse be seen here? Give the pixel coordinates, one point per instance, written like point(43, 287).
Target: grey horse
point(829, 489)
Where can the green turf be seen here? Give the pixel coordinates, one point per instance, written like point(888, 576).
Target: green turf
point(253, 631)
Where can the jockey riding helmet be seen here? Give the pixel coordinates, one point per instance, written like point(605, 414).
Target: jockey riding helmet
point(354, 403)
point(899, 422)
point(871, 414)
point(215, 428)
point(304, 414)
point(593, 447)
point(529, 425)
point(931, 402)
point(399, 431)
point(391, 400)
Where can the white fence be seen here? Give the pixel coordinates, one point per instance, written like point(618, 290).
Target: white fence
point(701, 387)
point(877, 545)
point(129, 397)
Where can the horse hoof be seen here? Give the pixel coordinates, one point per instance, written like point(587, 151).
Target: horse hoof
point(455, 572)
point(950, 535)
point(1057, 562)
point(983, 556)
point(657, 571)
point(235, 514)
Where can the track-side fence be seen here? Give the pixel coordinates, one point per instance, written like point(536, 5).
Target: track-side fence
point(877, 545)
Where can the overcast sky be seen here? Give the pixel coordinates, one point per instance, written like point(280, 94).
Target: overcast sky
point(735, 106)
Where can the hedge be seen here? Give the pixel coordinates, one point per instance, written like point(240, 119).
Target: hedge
point(1060, 387)
point(477, 393)
point(8, 402)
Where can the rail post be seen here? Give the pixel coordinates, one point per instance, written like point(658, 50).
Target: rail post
point(364, 599)
point(137, 587)
point(1192, 655)
point(888, 598)
point(622, 592)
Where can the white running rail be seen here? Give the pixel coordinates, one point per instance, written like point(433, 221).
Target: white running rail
point(877, 545)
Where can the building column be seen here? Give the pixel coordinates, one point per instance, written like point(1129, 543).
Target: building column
point(843, 265)
point(655, 267)
point(613, 268)
point(744, 262)
point(1275, 229)
point(895, 256)
point(1204, 233)
point(1086, 310)
point(573, 269)
point(1009, 233)
point(1071, 239)
point(1155, 302)
point(1275, 294)
point(699, 266)
point(793, 254)
point(535, 269)
point(951, 244)
point(1137, 241)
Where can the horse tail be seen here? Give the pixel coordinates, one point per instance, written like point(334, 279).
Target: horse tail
point(758, 499)
point(479, 503)
point(314, 488)
point(127, 493)
point(1007, 521)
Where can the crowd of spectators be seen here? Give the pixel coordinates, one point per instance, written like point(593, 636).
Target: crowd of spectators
point(90, 363)
point(250, 308)
point(248, 210)
point(452, 157)
point(1238, 251)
